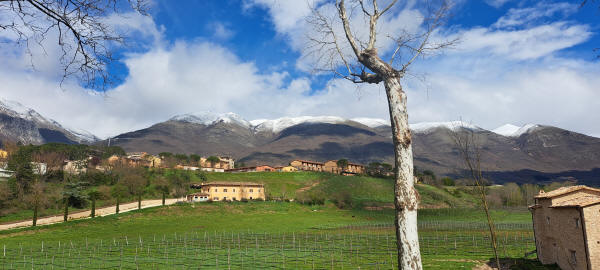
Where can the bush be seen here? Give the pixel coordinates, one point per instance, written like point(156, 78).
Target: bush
point(312, 198)
point(343, 200)
point(447, 181)
point(244, 200)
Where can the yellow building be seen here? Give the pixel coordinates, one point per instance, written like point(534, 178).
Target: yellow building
point(287, 169)
point(231, 191)
point(3, 154)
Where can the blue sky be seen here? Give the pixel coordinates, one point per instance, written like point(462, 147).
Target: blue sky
point(517, 62)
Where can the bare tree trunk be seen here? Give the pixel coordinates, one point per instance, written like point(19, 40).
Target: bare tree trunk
point(406, 197)
point(117, 209)
point(93, 208)
point(139, 202)
point(164, 195)
point(66, 213)
point(35, 213)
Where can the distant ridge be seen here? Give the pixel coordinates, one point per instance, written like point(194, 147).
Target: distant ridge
point(508, 151)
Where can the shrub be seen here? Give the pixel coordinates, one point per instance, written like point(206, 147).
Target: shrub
point(447, 181)
point(311, 198)
point(343, 200)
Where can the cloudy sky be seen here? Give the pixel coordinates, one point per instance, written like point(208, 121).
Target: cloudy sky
point(516, 62)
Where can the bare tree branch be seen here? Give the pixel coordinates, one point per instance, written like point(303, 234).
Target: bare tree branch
point(85, 38)
point(345, 21)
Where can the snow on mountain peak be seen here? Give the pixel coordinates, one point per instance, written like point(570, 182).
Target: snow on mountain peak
point(279, 124)
point(16, 109)
point(209, 118)
point(510, 130)
point(371, 122)
point(452, 125)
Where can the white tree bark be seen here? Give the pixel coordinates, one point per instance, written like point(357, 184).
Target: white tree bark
point(406, 197)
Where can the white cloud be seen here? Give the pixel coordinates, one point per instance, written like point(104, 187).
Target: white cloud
point(221, 31)
point(530, 43)
point(497, 3)
point(522, 16)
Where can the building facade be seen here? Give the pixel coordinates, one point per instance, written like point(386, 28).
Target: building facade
point(350, 169)
point(224, 163)
point(286, 169)
point(306, 165)
point(261, 168)
point(566, 224)
point(198, 197)
point(231, 191)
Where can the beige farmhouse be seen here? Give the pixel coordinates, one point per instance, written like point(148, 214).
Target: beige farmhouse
point(350, 169)
point(566, 224)
point(231, 191)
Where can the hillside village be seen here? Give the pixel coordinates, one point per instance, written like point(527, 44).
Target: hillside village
point(192, 163)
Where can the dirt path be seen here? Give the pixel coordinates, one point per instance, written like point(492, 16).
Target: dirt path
point(308, 187)
point(104, 211)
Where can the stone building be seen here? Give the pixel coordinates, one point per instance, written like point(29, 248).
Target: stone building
point(566, 224)
point(231, 191)
point(306, 165)
point(350, 169)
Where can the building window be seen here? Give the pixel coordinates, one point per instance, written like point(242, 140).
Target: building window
point(251, 199)
point(573, 259)
point(216, 190)
point(224, 190)
point(215, 198)
point(577, 223)
point(235, 199)
point(224, 198)
point(251, 190)
point(234, 190)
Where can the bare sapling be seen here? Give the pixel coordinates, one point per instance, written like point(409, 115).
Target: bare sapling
point(469, 147)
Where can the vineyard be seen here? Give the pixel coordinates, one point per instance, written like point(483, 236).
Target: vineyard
point(360, 246)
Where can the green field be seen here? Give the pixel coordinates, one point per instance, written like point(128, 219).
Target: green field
point(274, 234)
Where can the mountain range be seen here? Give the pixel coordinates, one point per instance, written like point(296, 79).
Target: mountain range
point(531, 153)
point(21, 124)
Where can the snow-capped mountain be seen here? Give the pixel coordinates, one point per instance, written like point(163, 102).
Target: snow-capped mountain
point(510, 130)
point(209, 118)
point(279, 124)
point(425, 127)
point(507, 150)
point(19, 123)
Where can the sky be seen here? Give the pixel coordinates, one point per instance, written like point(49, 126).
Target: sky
point(515, 62)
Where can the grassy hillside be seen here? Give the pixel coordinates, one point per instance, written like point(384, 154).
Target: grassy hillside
point(363, 190)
